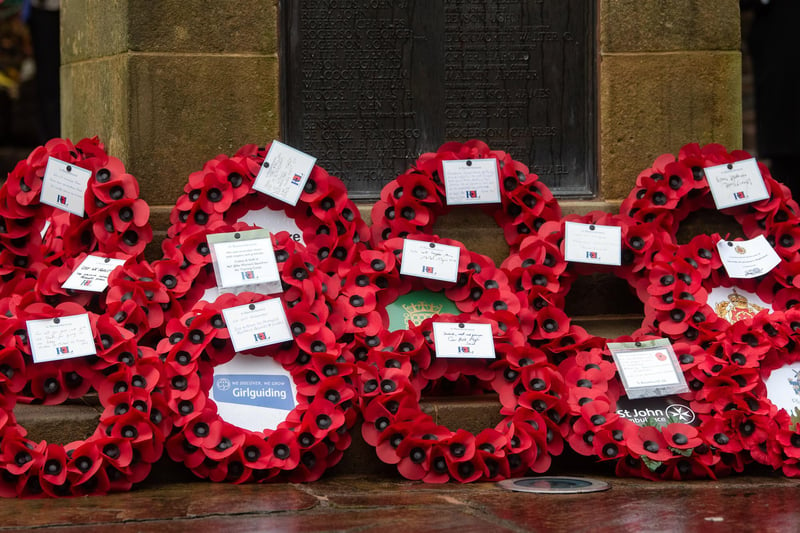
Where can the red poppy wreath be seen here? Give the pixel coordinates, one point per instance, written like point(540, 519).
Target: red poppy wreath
point(400, 367)
point(411, 203)
point(222, 193)
point(692, 297)
point(133, 424)
point(540, 272)
point(673, 188)
point(695, 435)
point(542, 277)
point(300, 448)
point(314, 433)
point(397, 367)
point(767, 415)
point(34, 235)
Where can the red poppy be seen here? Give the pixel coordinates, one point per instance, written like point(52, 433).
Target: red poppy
point(648, 442)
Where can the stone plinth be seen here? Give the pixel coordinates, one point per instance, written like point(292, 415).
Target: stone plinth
point(168, 85)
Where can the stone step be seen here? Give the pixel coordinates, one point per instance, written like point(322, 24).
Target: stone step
point(77, 420)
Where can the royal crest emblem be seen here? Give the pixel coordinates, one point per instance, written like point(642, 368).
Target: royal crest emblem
point(736, 308)
point(418, 311)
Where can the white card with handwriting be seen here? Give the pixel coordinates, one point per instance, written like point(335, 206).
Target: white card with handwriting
point(736, 183)
point(64, 186)
point(284, 173)
point(592, 243)
point(65, 337)
point(92, 274)
point(463, 340)
point(430, 260)
point(243, 258)
point(748, 259)
point(257, 324)
point(471, 181)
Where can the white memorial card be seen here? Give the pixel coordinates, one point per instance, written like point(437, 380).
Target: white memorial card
point(430, 260)
point(64, 186)
point(471, 181)
point(748, 259)
point(284, 173)
point(736, 183)
point(257, 324)
point(243, 258)
point(253, 393)
point(65, 337)
point(783, 388)
point(463, 340)
point(92, 274)
point(592, 243)
point(648, 368)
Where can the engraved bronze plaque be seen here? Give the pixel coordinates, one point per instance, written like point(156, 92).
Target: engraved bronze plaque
point(369, 85)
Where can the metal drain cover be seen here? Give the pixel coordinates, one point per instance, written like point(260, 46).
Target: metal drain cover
point(554, 485)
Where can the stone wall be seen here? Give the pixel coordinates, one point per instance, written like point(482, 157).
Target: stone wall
point(168, 85)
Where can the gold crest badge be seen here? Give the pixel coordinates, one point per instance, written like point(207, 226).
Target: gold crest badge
point(736, 308)
point(419, 311)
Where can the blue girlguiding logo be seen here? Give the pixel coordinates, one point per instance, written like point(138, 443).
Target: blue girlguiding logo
point(271, 391)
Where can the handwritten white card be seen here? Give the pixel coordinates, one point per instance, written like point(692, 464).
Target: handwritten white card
point(257, 324)
point(64, 186)
point(736, 183)
point(284, 173)
point(748, 259)
point(592, 243)
point(471, 181)
point(92, 274)
point(463, 340)
point(648, 368)
point(55, 339)
point(243, 258)
point(430, 260)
